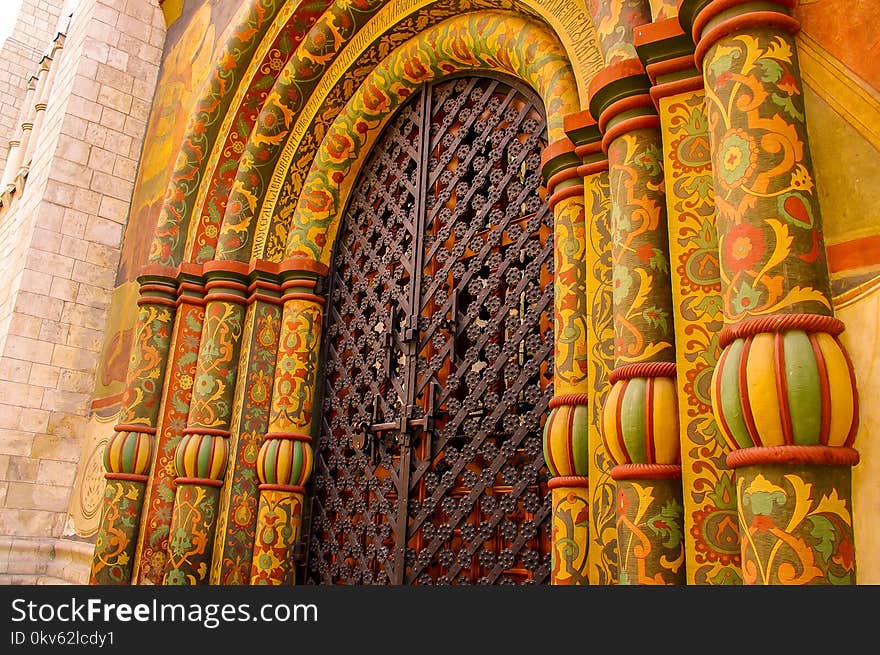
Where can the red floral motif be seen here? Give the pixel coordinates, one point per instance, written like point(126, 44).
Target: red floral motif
point(743, 247)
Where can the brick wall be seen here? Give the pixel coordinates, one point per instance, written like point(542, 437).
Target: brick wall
point(31, 36)
point(59, 249)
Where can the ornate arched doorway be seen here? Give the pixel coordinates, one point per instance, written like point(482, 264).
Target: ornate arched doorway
point(438, 351)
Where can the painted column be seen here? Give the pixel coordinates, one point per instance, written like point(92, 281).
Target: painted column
point(152, 547)
point(239, 498)
point(284, 464)
point(565, 437)
point(640, 415)
point(711, 527)
point(584, 132)
point(128, 456)
point(201, 455)
point(783, 392)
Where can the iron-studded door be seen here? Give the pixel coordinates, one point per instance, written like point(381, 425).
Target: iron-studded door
point(439, 342)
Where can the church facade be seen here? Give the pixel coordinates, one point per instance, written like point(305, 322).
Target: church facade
point(443, 292)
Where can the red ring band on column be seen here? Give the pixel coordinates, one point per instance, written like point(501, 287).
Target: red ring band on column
point(781, 323)
point(629, 125)
point(282, 487)
point(569, 400)
point(622, 105)
point(646, 472)
point(591, 169)
point(567, 192)
point(819, 455)
point(131, 477)
point(205, 482)
point(211, 432)
point(293, 436)
point(568, 481)
point(143, 429)
point(643, 370)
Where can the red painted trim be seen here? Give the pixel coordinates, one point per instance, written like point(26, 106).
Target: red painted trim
point(588, 149)
point(131, 477)
point(148, 300)
point(100, 403)
point(858, 253)
point(204, 482)
point(744, 395)
point(211, 432)
point(668, 28)
point(669, 66)
point(272, 300)
point(190, 286)
point(298, 282)
point(629, 125)
point(226, 297)
point(161, 288)
point(192, 301)
point(622, 105)
point(619, 419)
point(824, 390)
point(592, 169)
point(562, 176)
point(300, 263)
point(825, 455)
point(578, 121)
point(782, 388)
point(556, 149)
point(619, 71)
point(568, 481)
point(226, 266)
point(668, 89)
point(267, 286)
point(646, 472)
point(127, 427)
point(565, 194)
point(263, 266)
point(643, 370)
point(226, 284)
point(293, 436)
point(304, 296)
point(757, 19)
point(282, 487)
point(569, 400)
point(780, 323)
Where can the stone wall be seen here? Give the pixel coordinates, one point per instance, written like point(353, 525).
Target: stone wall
point(61, 237)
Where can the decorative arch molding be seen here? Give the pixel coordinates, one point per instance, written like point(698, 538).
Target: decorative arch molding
point(222, 126)
point(493, 41)
point(257, 24)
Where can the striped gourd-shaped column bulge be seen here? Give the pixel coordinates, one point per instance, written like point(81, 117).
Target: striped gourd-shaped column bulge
point(784, 392)
point(285, 462)
point(128, 455)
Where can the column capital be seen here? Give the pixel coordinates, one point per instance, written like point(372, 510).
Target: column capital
point(708, 21)
point(583, 130)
